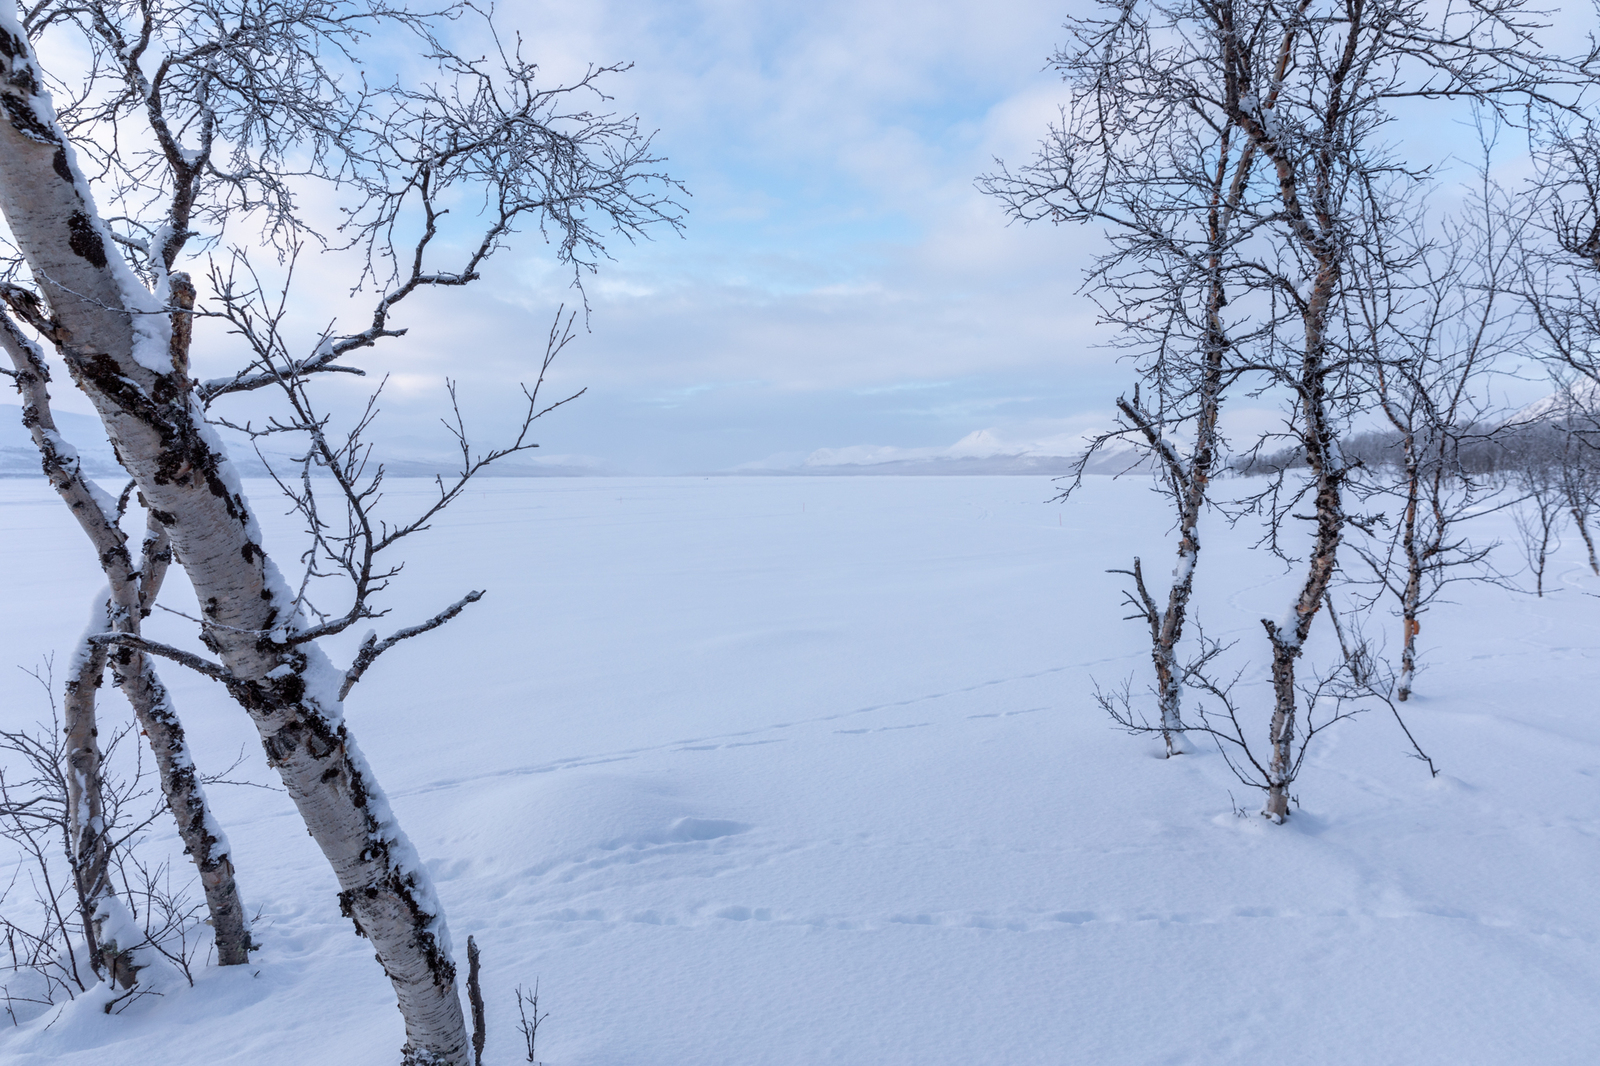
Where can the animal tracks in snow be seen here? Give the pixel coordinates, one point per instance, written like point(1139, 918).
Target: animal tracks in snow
point(714, 914)
point(1009, 714)
point(753, 737)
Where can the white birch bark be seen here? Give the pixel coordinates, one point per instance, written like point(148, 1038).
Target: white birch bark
point(130, 595)
point(1191, 480)
point(1309, 218)
point(115, 337)
point(1411, 595)
point(113, 937)
point(86, 837)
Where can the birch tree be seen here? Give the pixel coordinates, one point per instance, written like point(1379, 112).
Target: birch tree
point(1147, 150)
point(1435, 336)
point(1295, 99)
point(1580, 478)
point(1561, 288)
point(132, 588)
point(185, 124)
point(1561, 279)
point(1317, 89)
point(1538, 517)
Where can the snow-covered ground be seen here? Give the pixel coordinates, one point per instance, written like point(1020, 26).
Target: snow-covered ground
point(794, 771)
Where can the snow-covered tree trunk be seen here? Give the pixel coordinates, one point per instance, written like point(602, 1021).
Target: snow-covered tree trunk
point(1312, 217)
point(1288, 635)
point(130, 595)
point(1187, 482)
point(110, 932)
point(1169, 678)
point(1164, 633)
point(116, 338)
point(1411, 595)
point(202, 836)
point(1192, 480)
point(90, 851)
point(1408, 650)
point(1166, 626)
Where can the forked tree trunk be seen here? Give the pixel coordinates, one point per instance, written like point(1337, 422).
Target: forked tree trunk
point(1191, 501)
point(131, 594)
point(1189, 483)
point(1165, 629)
point(116, 339)
point(1311, 226)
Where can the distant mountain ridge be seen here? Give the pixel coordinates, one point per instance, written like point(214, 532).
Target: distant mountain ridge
point(980, 452)
point(993, 464)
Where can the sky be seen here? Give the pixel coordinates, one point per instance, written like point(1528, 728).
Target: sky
point(839, 282)
point(840, 286)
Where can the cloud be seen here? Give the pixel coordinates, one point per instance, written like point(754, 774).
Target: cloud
point(840, 280)
point(840, 276)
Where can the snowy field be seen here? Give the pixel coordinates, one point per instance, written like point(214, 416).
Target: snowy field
point(794, 771)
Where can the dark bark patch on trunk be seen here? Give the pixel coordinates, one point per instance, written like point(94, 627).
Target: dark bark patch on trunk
point(99, 371)
point(267, 646)
point(18, 104)
point(283, 743)
point(291, 689)
point(320, 747)
point(358, 788)
point(21, 116)
point(117, 558)
point(346, 899)
point(84, 240)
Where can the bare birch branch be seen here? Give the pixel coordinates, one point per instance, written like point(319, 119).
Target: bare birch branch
point(166, 651)
point(372, 647)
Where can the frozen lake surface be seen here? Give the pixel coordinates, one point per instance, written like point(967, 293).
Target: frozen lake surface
point(788, 771)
